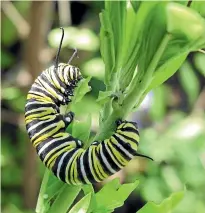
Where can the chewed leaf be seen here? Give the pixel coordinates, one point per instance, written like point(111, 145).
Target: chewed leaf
point(81, 90)
point(117, 195)
point(165, 207)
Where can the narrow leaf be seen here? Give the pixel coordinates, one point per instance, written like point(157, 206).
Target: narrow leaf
point(81, 130)
point(82, 205)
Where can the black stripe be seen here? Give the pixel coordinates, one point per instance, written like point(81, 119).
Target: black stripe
point(79, 172)
point(128, 138)
point(45, 123)
point(38, 104)
point(64, 164)
point(51, 85)
point(108, 157)
point(121, 153)
point(62, 84)
point(52, 146)
point(126, 145)
point(109, 146)
point(129, 129)
point(92, 161)
point(44, 93)
point(43, 133)
point(102, 163)
point(28, 113)
point(87, 167)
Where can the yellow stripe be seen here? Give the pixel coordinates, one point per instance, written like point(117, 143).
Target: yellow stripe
point(75, 171)
point(132, 144)
point(129, 134)
point(117, 154)
point(121, 158)
point(85, 178)
point(38, 115)
point(60, 125)
point(68, 165)
point(111, 155)
point(53, 92)
point(37, 97)
point(90, 164)
point(54, 81)
point(54, 157)
point(98, 168)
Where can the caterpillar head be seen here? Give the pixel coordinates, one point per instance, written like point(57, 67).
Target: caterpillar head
point(70, 74)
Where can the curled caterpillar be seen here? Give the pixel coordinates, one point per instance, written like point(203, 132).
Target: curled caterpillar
point(63, 154)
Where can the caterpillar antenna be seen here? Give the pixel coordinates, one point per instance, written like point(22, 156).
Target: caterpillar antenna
point(74, 54)
point(59, 49)
point(144, 156)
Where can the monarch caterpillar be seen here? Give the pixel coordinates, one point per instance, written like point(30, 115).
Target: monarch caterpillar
point(63, 154)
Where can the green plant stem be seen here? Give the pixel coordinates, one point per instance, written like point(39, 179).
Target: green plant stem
point(137, 89)
point(40, 202)
point(134, 94)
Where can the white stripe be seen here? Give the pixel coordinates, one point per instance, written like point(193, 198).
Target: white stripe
point(49, 154)
point(82, 168)
point(125, 151)
point(54, 79)
point(65, 76)
point(37, 102)
point(68, 166)
point(60, 164)
point(49, 143)
point(50, 89)
point(91, 165)
point(38, 124)
point(105, 160)
point(39, 109)
point(115, 160)
point(49, 127)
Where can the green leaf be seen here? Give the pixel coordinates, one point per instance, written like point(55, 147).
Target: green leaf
point(82, 205)
point(81, 130)
point(166, 71)
point(107, 45)
point(103, 97)
point(41, 203)
point(67, 194)
point(135, 5)
point(199, 60)
point(189, 82)
point(138, 28)
point(165, 207)
point(88, 188)
point(199, 7)
point(113, 195)
point(81, 90)
point(177, 18)
point(158, 108)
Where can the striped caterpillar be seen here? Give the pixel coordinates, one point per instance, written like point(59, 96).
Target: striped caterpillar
point(63, 154)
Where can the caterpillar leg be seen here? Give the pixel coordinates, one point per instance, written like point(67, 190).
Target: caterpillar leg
point(118, 122)
point(68, 118)
point(66, 100)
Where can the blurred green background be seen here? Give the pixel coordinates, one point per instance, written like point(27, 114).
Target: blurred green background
point(171, 118)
